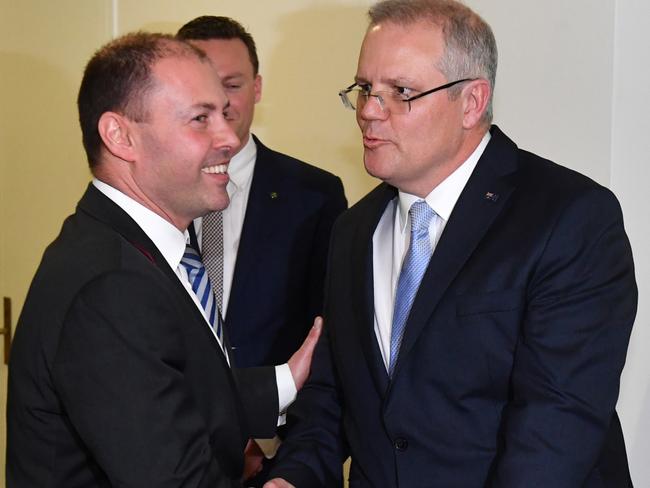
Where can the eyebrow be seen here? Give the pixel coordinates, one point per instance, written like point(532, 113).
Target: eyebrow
point(199, 106)
point(233, 75)
point(207, 105)
point(399, 81)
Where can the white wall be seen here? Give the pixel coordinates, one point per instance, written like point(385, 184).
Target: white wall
point(630, 161)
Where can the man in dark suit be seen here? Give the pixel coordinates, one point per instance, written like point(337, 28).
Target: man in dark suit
point(118, 375)
point(276, 229)
point(478, 303)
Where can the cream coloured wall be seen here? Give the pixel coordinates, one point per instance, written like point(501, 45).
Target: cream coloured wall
point(567, 89)
point(43, 48)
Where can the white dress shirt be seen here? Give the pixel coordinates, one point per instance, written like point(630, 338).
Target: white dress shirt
point(171, 243)
point(392, 235)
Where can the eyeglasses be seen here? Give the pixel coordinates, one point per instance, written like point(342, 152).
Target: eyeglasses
point(389, 102)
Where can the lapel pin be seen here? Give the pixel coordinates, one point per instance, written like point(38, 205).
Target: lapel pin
point(493, 197)
point(273, 195)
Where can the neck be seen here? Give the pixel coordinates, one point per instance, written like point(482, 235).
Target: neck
point(130, 187)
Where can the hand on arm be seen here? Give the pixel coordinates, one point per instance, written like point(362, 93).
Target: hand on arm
point(300, 362)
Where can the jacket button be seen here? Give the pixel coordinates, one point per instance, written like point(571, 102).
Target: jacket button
point(401, 444)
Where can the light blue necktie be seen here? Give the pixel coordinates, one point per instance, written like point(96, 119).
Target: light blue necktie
point(200, 282)
point(415, 264)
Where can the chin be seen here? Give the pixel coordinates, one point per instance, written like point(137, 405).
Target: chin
point(376, 167)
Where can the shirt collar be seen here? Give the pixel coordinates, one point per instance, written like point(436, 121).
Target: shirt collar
point(443, 197)
point(240, 169)
point(168, 239)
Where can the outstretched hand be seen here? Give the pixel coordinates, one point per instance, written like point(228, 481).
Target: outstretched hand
point(300, 362)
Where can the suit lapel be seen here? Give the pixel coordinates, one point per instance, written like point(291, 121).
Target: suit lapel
point(268, 203)
point(100, 207)
point(363, 286)
point(480, 202)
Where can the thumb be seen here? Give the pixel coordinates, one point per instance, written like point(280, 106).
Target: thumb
point(300, 362)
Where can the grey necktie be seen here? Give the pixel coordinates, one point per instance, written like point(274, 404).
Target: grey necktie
point(212, 252)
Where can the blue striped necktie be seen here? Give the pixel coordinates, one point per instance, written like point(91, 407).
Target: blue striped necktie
point(415, 264)
point(202, 288)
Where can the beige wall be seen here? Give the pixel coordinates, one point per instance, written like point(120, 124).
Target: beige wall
point(570, 86)
point(43, 48)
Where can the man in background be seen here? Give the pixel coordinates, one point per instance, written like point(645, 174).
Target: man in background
point(265, 253)
point(119, 375)
point(479, 301)
point(267, 257)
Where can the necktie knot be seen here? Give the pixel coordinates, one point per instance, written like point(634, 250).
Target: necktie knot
point(421, 215)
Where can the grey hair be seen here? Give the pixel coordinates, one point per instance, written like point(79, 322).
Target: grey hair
point(470, 47)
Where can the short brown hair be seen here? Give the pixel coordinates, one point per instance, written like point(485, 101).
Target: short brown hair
point(118, 78)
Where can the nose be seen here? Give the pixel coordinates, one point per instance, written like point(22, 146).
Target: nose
point(224, 138)
point(373, 108)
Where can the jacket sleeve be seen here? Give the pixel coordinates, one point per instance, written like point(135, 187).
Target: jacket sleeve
point(565, 380)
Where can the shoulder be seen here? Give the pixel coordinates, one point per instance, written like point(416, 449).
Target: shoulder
point(556, 186)
point(541, 182)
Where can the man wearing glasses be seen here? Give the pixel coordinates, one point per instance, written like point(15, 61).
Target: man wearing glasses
point(479, 300)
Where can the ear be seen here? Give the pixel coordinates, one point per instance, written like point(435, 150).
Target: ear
point(257, 85)
point(115, 131)
point(476, 96)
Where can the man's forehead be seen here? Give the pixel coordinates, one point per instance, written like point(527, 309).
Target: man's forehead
point(183, 69)
point(191, 80)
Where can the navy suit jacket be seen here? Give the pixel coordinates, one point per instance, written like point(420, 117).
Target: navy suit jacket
point(277, 287)
point(508, 373)
point(115, 378)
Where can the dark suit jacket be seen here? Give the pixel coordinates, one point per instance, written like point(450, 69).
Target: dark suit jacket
point(277, 287)
point(508, 373)
point(115, 378)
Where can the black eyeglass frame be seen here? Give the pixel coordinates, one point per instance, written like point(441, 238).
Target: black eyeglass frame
point(346, 101)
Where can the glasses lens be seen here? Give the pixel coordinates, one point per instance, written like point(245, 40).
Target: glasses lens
point(394, 103)
point(357, 99)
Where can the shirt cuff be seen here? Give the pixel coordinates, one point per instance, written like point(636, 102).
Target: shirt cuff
point(286, 390)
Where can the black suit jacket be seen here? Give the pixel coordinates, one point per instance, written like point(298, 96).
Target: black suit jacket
point(508, 373)
point(277, 287)
point(115, 378)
